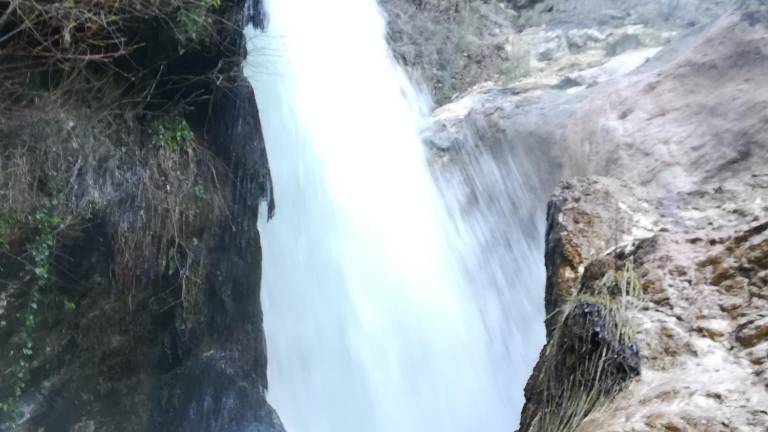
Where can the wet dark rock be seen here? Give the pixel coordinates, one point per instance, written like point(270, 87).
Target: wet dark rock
point(151, 319)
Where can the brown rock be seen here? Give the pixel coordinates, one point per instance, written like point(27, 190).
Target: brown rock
point(753, 332)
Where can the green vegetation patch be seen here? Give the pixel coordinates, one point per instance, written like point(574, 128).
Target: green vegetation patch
point(173, 134)
point(42, 227)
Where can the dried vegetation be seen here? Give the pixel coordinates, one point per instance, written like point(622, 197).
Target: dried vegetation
point(591, 354)
point(103, 116)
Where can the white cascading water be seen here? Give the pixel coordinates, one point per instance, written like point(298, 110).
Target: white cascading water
point(371, 324)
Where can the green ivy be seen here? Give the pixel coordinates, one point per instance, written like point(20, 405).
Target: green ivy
point(5, 234)
point(69, 307)
point(195, 21)
point(46, 224)
point(173, 134)
point(9, 224)
point(199, 190)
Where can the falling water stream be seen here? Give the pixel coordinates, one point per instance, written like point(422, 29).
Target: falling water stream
point(372, 323)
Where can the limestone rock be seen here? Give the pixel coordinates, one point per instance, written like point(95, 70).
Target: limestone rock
point(681, 134)
point(702, 366)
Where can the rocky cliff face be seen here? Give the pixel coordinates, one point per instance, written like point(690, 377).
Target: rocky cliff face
point(693, 355)
point(132, 170)
point(453, 46)
point(655, 286)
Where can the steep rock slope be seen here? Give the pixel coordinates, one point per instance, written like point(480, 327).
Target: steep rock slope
point(655, 291)
point(603, 120)
point(695, 236)
point(533, 131)
point(671, 119)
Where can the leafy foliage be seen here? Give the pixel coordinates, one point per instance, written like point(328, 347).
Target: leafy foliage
point(173, 133)
point(195, 20)
point(45, 223)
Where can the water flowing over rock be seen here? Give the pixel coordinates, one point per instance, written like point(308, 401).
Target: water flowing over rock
point(371, 324)
point(595, 180)
point(679, 116)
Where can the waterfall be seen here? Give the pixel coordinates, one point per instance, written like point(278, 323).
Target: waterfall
point(371, 322)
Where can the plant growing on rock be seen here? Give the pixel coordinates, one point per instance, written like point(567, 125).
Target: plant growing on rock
point(43, 225)
point(118, 176)
point(591, 354)
point(173, 133)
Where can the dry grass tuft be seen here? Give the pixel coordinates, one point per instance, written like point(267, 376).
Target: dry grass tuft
point(162, 199)
point(105, 144)
point(135, 47)
point(591, 354)
point(93, 121)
